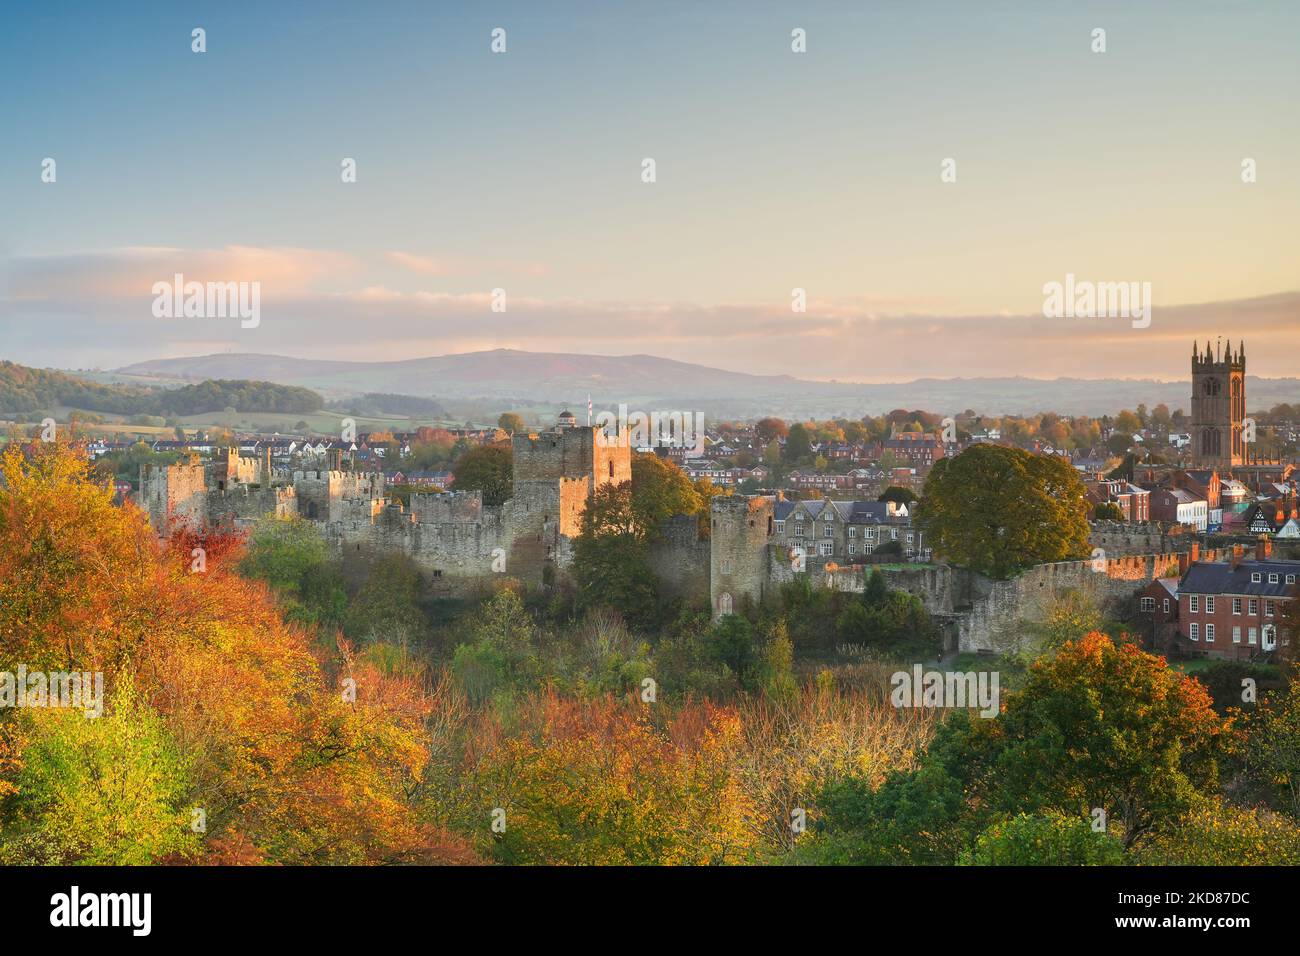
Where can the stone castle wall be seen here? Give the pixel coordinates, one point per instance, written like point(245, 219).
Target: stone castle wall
point(1120, 538)
point(682, 559)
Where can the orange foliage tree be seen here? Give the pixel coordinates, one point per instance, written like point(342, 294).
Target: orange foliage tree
point(282, 764)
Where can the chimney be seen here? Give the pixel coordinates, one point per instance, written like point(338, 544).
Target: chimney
point(1184, 563)
point(1263, 548)
point(336, 459)
point(266, 465)
point(1195, 551)
point(1237, 552)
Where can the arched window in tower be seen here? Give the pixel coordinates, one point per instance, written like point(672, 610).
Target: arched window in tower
point(611, 468)
point(724, 603)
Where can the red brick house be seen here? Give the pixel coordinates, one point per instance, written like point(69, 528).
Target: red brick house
point(1158, 610)
point(1233, 609)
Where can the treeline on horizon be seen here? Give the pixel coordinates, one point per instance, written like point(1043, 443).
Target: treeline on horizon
point(379, 404)
point(25, 390)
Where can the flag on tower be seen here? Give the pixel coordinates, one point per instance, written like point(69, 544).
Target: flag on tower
point(588, 410)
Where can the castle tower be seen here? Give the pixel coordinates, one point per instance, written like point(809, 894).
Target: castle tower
point(739, 552)
point(1218, 407)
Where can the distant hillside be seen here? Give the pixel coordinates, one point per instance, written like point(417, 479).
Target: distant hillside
point(24, 390)
point(382, 404)
point(509, 377)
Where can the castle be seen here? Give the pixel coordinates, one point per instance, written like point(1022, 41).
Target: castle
point(454, 537)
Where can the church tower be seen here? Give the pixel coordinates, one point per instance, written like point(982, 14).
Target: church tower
point(1218, 407)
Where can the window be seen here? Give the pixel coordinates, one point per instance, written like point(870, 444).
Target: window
point(827, 548)
point(724, 603)
point(1209, 634)
point(1236, 635)
point(1268, 636)
point(1290, 579)
point(1252, 636)
point(1236, 605)
point(828, 530)
point(869, 534)
point(1195, 600)
point(1269, 608)
point(1195, 632)
point(1253, 607)
point(1255, 577)
point(780, 527)
point(1209, 604)
point(853, 532)
point(726, 566)
point(1272, 579)
point(1166, 606)
point(798, 529)
point(1148, 604)
point(853, 548)
point(893, 534)
point(909, 537)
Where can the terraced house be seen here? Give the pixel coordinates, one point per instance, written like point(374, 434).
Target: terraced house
point(846, 532)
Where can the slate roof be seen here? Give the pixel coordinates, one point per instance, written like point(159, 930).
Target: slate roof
point(1205, 577)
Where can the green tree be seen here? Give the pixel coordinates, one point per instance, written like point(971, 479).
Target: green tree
point(610, 562)
point(387, 607)
point(1047, 840)
point(486, 468)
point(999, 510)
point(778, 665)
point(660, 490)
point(731, 641)
point(1272, 752)
point(1107, 511)
point(798, 446)
point(111, 790)
point(899, 494)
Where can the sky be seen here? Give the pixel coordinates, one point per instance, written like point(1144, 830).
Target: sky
point(774, 171)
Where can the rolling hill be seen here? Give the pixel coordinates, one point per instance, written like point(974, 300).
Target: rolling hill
point(510, 377)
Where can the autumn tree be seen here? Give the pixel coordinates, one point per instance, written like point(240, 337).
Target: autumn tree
point(511, 422)
point(600, 784)
point(1101, 726)
point(211, 701)
point(768, 430)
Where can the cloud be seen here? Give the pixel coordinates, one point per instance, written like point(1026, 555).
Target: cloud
point(130, 272)
point(93, 310)
point(460, 266)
